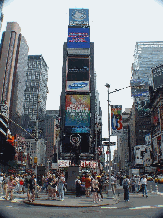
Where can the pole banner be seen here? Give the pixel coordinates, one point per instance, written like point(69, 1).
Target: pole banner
point(116, 120)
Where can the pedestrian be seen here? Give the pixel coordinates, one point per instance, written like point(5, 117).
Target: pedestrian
point(1, 183)
point(31, 188)
point(100, 185)
point(50, 189)
point(78, 186)
point(61, 183)
point(11, 184)
point(5, 185)
point(54, 187)
point(144, 186)
point(87, 185)
point(21, 183)
point(133, 185)
point(137, 183)
point(113, 184)
point(95, 187)
point(126, 183)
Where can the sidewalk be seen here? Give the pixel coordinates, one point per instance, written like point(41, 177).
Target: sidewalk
point(70, 200)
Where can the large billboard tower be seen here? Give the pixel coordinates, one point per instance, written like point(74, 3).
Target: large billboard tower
point(77, 109)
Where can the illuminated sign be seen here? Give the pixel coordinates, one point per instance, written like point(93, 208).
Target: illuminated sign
point(78, 16)
point(116, 119)
point(78, 69)
point(77, 110)
point(78, 38)
point(82, 129)
point(78, 86)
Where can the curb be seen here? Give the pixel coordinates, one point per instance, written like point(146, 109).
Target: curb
point(67, 206)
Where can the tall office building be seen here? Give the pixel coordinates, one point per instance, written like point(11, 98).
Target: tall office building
point(13, 65)
point(147, 55)
point(35, 93)
point(77, 107)
point(51, 121)
point(9, 43)
point(16, 110)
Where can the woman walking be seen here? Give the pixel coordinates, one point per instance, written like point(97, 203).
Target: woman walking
point(95, 186)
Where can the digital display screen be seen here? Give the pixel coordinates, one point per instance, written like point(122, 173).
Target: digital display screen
point(78, 69)
point(78, 37)
point(77, 110)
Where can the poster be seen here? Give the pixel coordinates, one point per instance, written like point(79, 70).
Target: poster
point(116, 120)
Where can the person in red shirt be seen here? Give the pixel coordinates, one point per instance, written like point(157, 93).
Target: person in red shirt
point(87, 185)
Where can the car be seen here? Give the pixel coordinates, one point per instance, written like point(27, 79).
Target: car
point(160, 179)
point(149, 178)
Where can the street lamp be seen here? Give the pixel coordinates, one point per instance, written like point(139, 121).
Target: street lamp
point(109, 191)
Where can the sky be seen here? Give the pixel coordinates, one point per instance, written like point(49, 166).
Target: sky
point(115, 27)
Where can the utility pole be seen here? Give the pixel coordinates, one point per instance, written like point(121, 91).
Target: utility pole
point(109, 191)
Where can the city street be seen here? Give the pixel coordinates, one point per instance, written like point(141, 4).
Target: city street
point(137, 207)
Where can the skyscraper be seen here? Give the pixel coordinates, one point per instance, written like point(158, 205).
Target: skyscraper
point(147, 55)
point(9, 43)
point(78, 108)
point(35, 92)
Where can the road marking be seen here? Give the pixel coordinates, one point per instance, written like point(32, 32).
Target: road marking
point(108, 207)
point(144, 207)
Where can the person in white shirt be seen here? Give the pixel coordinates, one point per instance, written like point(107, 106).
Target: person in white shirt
point(144, 186)
point(1, 183)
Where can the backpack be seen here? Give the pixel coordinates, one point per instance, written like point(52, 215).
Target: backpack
point(125, 184)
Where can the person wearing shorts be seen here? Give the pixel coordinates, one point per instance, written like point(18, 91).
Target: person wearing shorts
point(95, 186)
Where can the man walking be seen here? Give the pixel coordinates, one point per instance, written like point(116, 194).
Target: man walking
point(144, 186)
point(126, 183)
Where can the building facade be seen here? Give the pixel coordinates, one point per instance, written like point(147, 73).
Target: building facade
point(35, 94)
point(147, 55)
point(51, 122)
point(9, 43)
point(78, 108)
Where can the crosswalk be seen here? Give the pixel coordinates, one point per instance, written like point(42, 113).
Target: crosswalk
point(135, 208)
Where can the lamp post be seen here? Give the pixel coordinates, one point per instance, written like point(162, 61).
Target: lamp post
point(109, 191)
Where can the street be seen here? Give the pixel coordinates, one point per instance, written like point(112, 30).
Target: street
point(137, 207)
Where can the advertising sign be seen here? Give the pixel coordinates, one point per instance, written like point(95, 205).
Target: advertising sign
point(80, 129)
point(116, 120)
point(78, 37)
point(140, 87)
point(77, 110)
point(78, 16)
point(78, 69)
point(77, 86)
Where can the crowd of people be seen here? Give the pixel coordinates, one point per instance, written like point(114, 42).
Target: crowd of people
point(54, 185)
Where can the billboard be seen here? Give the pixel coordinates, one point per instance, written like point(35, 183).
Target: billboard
point(77, 110)
point(77, 86)
point(78, 37)
point(116, 120)
point(78, 69)
point(78, 16)
point(139, 87)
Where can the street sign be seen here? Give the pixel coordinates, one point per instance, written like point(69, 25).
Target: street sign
point(106, 143)
point(105, 139)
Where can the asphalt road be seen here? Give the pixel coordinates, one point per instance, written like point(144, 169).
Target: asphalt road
point(137, 207)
